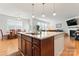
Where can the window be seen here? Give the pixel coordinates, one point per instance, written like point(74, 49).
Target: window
point(14, 24)
point(42, 25)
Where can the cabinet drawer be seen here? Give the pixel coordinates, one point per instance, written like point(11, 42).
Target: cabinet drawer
point(36, 41)
point(27, 38)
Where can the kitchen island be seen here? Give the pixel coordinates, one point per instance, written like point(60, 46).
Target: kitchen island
point(43, 44)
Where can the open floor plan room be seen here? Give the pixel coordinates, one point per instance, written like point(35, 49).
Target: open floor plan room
point(10, 47)
point(39, 29)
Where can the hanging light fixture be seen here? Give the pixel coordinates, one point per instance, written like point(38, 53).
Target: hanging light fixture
point(54, 12)
point(33, 16)
point(43, 15)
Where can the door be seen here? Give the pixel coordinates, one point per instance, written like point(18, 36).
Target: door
point(36, 50)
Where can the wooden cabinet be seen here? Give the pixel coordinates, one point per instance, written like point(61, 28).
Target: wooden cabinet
point(30, 46)
point(36, 47)
point(26, 45)
point(19, 42)
point(23, 46)
point(58, 44)
point(36, 50)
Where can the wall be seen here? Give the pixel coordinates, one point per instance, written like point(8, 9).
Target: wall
point(58, 21)
point(35, 22)
point(54, 22)
point(65, 27)
point(29, 23)
point(2, 21)
point(5, 18)
point(68, 28)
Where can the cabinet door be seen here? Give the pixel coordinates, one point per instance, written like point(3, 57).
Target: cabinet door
point(36, 50)
point(23, 46)
point(58, 44)
point(28, 48)
point(19, 42)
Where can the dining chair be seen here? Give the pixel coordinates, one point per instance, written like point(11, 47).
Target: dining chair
point(12, 34)
point(3, 34)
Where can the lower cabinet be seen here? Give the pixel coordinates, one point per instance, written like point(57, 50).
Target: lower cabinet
point(58, 44)
point(19, 42)
point(35, 50)
point(34, 47)
point(28, 48)
point(23, 46)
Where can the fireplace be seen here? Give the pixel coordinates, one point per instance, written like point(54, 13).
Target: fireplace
point(72, 33)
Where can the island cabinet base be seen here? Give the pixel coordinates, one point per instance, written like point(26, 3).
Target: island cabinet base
point(30, 46)
point(47, 47)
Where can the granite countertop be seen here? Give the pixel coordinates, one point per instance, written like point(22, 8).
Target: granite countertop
point(43, 35)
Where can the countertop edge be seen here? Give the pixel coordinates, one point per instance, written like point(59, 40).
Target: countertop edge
point(40, 38)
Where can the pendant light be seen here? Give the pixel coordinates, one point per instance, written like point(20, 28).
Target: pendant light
point(54, 12)
point(33, 16)
point(43, 15)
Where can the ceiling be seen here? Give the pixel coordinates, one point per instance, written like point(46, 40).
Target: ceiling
point(24, 10)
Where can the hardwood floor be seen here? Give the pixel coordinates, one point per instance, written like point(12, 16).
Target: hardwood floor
point(8, 47)
point(71, 47)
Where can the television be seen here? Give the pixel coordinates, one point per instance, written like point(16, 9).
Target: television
point(72, 22)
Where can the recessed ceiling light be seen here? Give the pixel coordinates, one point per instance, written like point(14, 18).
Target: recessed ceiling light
point(33, 16)
point(43, 15)
point(54, 14)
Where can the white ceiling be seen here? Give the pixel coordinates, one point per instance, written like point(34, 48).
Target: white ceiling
point(63, 10)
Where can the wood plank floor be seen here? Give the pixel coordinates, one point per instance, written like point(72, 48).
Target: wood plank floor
point(71, 47)
point(7, 47)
